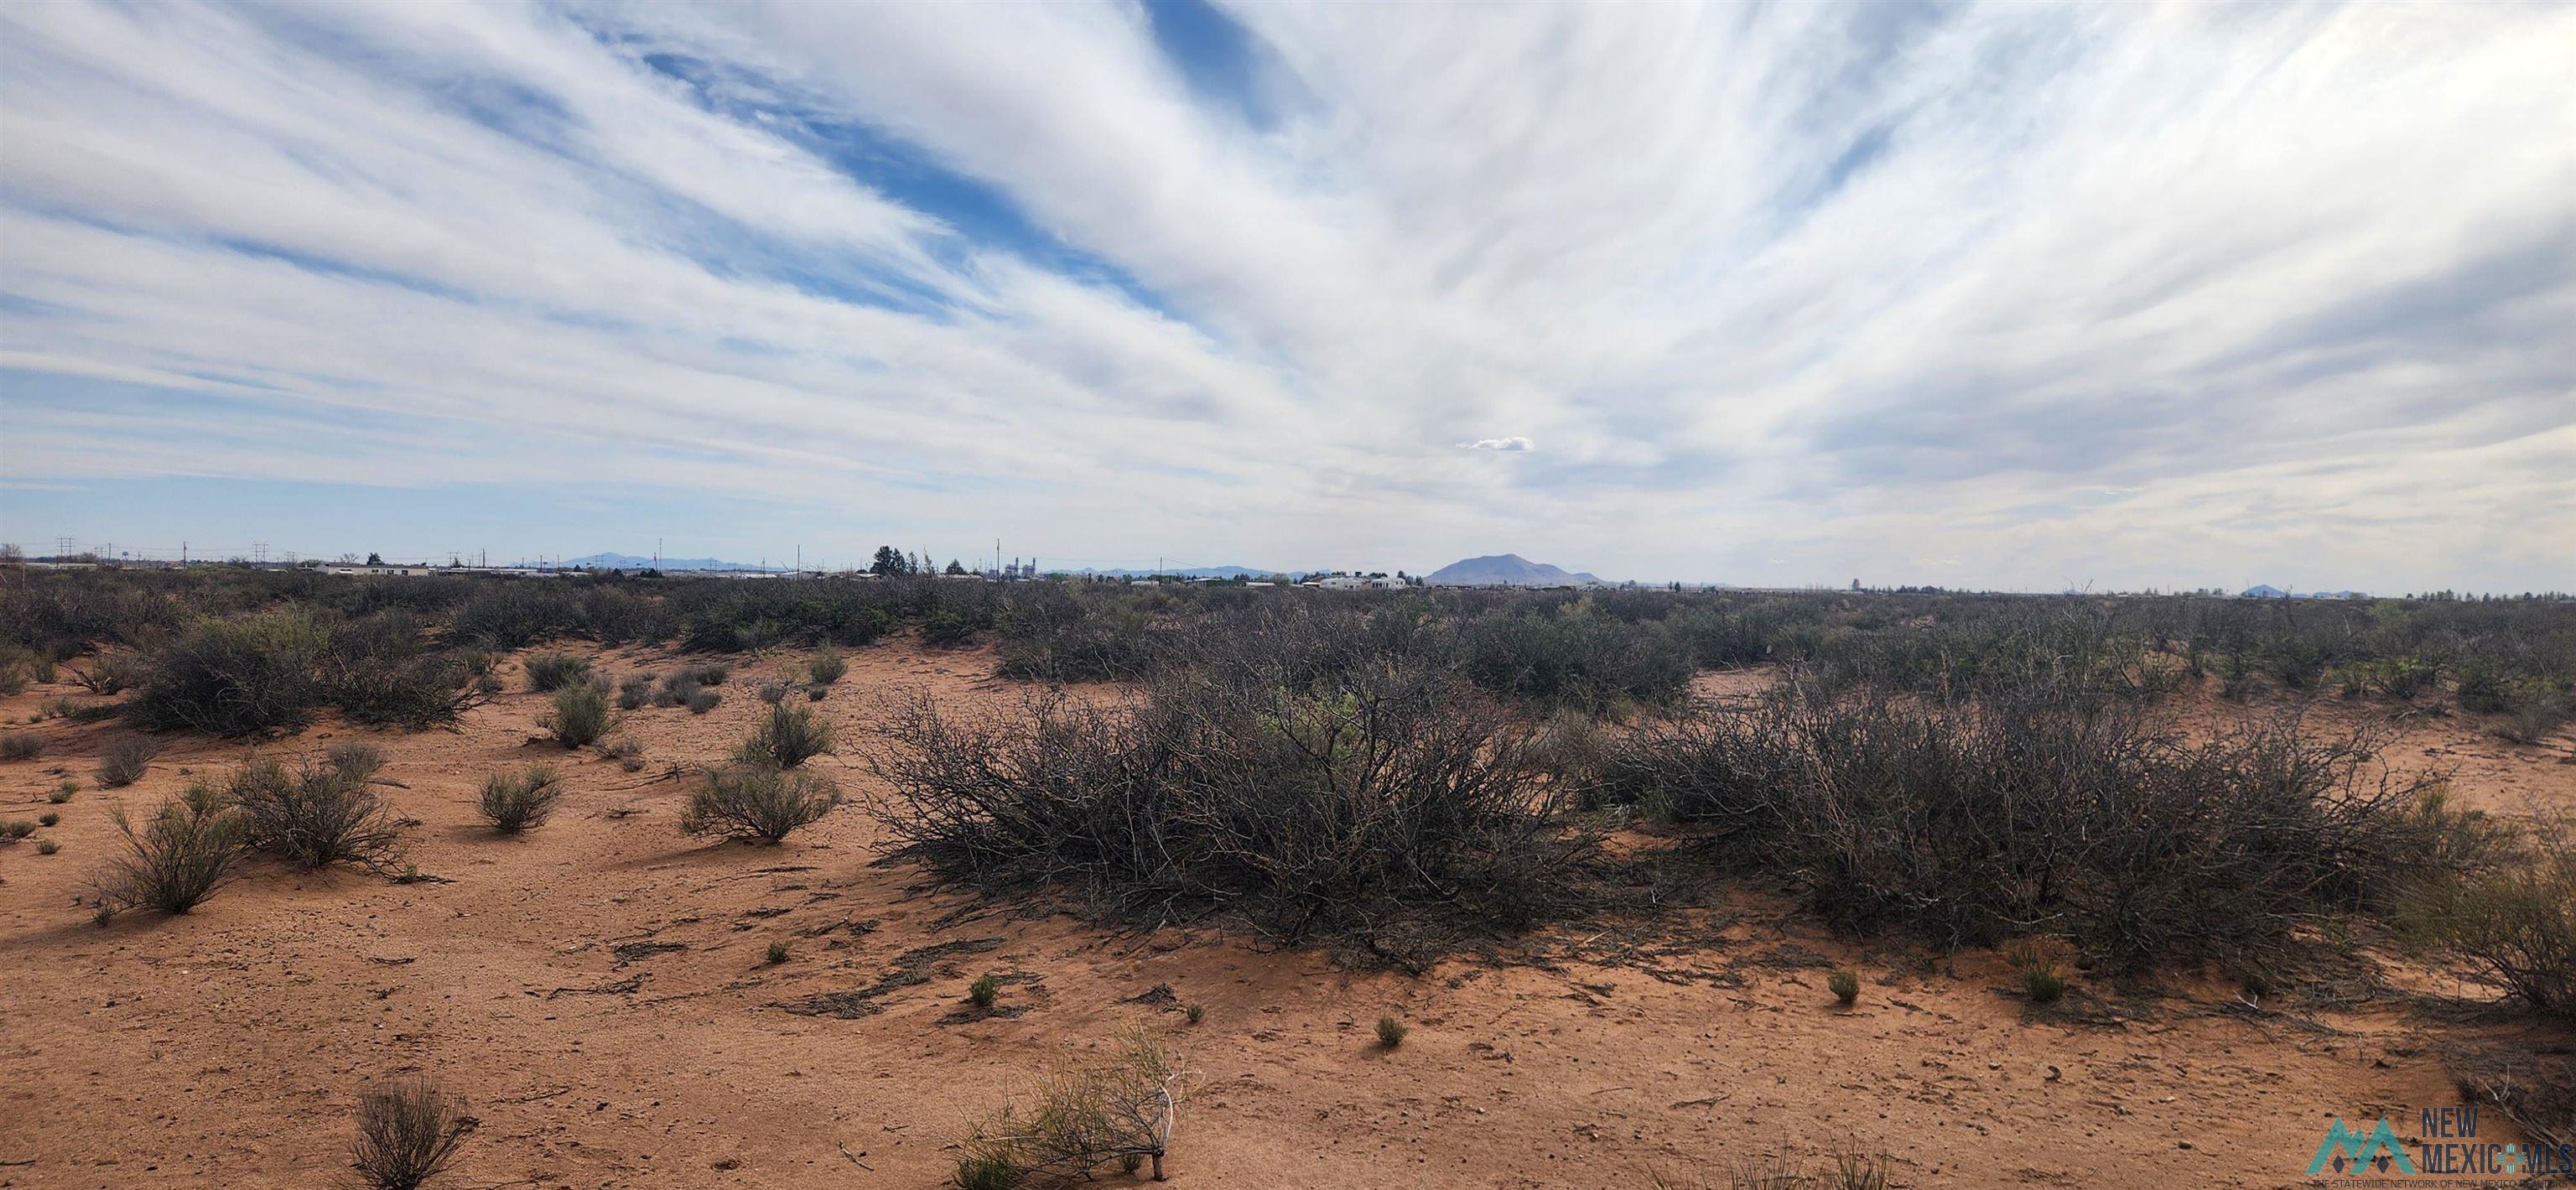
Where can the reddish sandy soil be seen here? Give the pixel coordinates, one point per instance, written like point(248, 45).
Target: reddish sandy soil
point(224, 1048)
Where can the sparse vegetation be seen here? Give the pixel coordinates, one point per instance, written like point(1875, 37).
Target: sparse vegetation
point(181, 855)
point(124, 762)
point(777, 953)
point(1390, 1032)
point(1115, 1109)
point(513, 802)
point(63, 792)
point(634, 690)
point(759, 803)
point(47, 847)
point(408, 1133)
point(1846, 987)
point(15, 829)
point(48, 818)
point(21, 745)
point(984, 991)
point(2515, 923)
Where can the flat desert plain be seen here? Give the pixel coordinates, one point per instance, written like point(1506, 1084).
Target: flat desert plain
point(599, 989)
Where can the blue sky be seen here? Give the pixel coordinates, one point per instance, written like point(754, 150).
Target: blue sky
point(2013, 296)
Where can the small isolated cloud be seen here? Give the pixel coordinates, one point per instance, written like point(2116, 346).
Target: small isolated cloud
point(1510, 444)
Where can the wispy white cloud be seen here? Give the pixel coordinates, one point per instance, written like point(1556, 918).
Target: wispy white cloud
point(1836, 287)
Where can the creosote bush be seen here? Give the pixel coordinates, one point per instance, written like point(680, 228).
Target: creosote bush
point(124, 762)
point(408, 1133)
point(513, 802)
point(787, 737)
point(1378, 804)
point(581, 713)
point(185, 851)
point(2033, 807)
point(234, 677)
point(758, 803)
point(1113, 1109)
point(318, 814)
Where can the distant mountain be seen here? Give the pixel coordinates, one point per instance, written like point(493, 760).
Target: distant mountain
point(2264, 591)
point(1505, 570)
point(631, 562)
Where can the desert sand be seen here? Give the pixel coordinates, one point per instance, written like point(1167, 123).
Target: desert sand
point(597, 988)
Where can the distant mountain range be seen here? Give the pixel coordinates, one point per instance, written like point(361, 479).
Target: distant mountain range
point(631, 562)
point(1505, 570)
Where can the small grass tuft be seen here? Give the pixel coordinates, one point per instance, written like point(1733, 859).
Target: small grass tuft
point(125, 761)
point(548, 672)
point(1390, 1032)
point(407, 1133)
point(513, 802)
point(984, 991)
point(777, 953)
point(1845, 986)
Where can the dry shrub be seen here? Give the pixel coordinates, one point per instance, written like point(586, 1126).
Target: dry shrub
point(318, 814)
point(109, 673)
point(1380, 804)
point(2535, 1085)
point(2040, 809)
point(234, 677)
point(124, 762)
point(757, 802)
point(789, 736)
point(408, 1133)
point(581, 713)
point(633, 691)
point(188, 848)
point(513, 802)
point(2516, 922)
point(21, 745)
point(549, 672)
point(1115, 1108)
